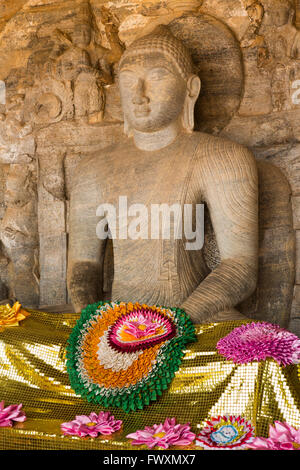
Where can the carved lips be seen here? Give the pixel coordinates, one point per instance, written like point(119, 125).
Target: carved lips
point(141, 111)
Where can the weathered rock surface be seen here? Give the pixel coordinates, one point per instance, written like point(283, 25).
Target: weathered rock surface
point(254, 101)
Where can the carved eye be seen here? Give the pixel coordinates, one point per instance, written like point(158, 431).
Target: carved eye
point(159, 73)
point(128, 78)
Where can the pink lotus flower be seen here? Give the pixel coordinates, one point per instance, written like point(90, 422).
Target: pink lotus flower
point(92, 425)
point(281, 437)
point(258, 341)
point(140, 327)
point(11, 413)
point(163, 435)
point(148, 327)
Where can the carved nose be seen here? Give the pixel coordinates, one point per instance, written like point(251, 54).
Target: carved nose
point(139, 95)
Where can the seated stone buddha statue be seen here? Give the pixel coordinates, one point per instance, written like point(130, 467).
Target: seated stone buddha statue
point(162, 160)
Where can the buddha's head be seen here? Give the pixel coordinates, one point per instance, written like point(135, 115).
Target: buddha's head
point(157, 83)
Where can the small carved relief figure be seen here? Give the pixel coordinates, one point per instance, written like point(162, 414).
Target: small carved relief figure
point(74, 67)
point(279, 20)
point(74, 57)
point(19, 233)
point(15, 125)
point(280, 88)
point(49, 99)
point(16, 142)
point(19, 223)
point(163, 160)
point(282, 16)
point(279, 50)
point(280, 81)
point(278, 13)
point(70, 83)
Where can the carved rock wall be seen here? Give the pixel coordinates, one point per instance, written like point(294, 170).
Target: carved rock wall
point(53, 51)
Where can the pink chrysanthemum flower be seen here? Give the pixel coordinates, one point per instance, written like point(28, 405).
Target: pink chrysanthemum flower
point(11, 413)
point(92, 425)
point(163, 435)
point(282, 436)
point(258, 341)
point(226, 433)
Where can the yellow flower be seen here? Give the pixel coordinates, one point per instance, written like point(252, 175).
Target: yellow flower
point(11, 316)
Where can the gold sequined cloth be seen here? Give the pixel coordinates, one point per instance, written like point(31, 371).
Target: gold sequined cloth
point(33, 372)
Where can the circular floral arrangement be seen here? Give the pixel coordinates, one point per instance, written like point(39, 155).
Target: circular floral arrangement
point(258, 341)
point(125, 355)
point(226, 433)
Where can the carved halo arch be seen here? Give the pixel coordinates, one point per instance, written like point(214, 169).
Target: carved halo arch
point(217, 59)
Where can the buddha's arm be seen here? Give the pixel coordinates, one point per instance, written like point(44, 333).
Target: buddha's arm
point(231, 193)
point(86, 250)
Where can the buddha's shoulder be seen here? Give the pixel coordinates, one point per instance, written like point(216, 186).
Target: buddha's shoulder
point(222, 150)
point(222, 159)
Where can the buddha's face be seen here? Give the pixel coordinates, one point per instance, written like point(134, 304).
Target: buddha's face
point(152, 92)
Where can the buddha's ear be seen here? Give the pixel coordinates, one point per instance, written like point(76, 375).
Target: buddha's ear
point(127, 127)
point(193, 90)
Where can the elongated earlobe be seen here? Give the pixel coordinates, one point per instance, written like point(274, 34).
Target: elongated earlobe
point(127, 127)
point(193, 90)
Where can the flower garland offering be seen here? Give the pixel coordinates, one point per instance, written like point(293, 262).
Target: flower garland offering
point(103, 423)
point(125, 355)
point(11, 316)
point(163, 435)
point(259, 341)
point(226, 433)
point(11, 413)
point(282, 436)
